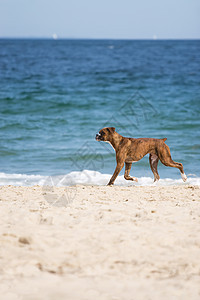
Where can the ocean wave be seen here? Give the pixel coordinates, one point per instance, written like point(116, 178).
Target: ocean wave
point(86, 177)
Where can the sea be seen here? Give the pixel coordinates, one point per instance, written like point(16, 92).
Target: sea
point(55, 95)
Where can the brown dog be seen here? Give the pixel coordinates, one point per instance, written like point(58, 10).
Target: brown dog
point(129, 150)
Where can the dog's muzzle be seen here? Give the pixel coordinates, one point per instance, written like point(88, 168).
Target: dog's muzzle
point(98, 137)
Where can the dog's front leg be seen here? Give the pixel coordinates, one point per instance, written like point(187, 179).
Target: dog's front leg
point(116, 173)
point(127, 171)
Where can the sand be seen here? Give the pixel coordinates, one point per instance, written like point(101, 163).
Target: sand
point(100, 242)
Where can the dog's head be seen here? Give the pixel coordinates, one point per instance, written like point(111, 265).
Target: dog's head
point(105, 134)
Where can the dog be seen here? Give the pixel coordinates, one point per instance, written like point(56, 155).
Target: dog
point(129, 150)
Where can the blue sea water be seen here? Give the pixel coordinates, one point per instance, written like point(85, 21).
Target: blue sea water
point(55, 95)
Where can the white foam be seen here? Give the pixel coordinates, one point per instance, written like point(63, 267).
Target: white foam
point(21, 179)
point(87, 177)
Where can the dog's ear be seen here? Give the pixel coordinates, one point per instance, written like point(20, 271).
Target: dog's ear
point(112, 129)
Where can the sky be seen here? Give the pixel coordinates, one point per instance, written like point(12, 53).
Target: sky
point(109, 19)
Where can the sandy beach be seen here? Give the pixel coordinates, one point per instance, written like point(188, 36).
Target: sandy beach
point(100, 242)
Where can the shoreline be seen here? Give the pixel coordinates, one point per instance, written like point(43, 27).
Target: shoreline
point(89, 177)
point(77, 242)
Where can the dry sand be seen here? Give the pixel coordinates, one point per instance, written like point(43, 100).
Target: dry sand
point(99, 242)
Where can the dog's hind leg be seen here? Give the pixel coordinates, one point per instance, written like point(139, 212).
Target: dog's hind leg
point(127, 171)
point(153, 160)
point(165, 158)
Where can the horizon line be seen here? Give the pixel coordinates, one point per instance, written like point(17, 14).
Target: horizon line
point(91, 38)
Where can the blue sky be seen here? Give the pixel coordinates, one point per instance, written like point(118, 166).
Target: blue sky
point(125, 19)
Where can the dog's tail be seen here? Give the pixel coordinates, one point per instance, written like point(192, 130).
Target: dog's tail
point(164, 139)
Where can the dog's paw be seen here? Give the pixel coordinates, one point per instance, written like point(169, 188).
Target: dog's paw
point(131, 178)
point(134, 179)
point(184, 177)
